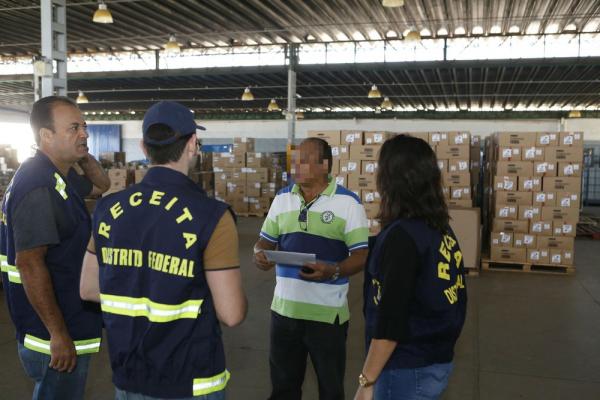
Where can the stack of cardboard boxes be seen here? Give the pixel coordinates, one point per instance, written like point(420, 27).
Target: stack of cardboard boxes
point(247, 180)
point(535, 181)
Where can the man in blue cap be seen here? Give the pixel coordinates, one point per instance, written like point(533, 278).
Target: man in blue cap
point(163, 263)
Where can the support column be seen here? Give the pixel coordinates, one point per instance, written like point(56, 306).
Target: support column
point(51, 70)
point(292, 58)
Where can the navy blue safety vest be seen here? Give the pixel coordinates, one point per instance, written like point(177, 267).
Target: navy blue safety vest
point(437, 311)
point(163, 334)
point(83, 319)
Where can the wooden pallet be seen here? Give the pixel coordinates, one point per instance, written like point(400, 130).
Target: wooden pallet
point(588, 230)
point(508, 266)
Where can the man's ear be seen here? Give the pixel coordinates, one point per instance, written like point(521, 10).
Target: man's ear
point(45, 135)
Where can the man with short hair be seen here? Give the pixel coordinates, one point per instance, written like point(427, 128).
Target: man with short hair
point(44, 231)
point(163, 263)
point(310, 308)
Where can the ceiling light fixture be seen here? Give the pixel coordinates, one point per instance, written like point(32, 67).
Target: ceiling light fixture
point(412, 36)
point(172, 46)
point(374, 93)
point(386, 104)
point(247, 95)
point(392, 3)
point(102, 15)
point(575, 114)
point(273, 106)
point(82, 98)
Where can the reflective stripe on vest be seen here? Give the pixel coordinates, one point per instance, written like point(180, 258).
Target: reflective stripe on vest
point(43, 346)
point(144, 307)
point(204, 386)
point(61, 186)
point(13, 273)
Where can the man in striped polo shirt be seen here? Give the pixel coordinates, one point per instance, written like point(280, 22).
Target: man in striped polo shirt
point(310, 309)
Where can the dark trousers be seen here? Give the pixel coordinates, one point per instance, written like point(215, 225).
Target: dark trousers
point(291, 341)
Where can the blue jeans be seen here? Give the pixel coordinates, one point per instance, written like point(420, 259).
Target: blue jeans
point(427, 383)
point(123, 395)
point(51, 384)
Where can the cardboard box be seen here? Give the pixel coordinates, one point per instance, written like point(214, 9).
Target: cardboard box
point(446, 192)
point(331, 137)
point(465, 224)
point(340, 152)
point(368, 167)
point(532, 213)
point(376, 137)
point(370, 196)
point(514, 198)
point(342, 180)
point(253, 189)
point(446, 152)
point(362, 182)
point(238, 176)
point(438, 138)
point(460, 193)
point(243, 145)
point(443, 165)
point(352, 137)
point(503, 239)
point(519, 168)
point(544, 199)
point(509, 154)
point(562, 184)
point(239, 206)
point(564, 228)
point(455, 166)
point(568, 199)
point(561, 257)
point(538, 256)
point(553, 213)
point(541, 228)
point(268, 190)
point(510, 225)
point(569, 169)
point(227, 160)
point(546, 139)
point(533, 154)
point(525, 240)
point(224, 175)
point(571, 139)
point(139, 174)
point(256, 174)
point(113, 157)
point(204, 179)
point(564, 154)
point(508, 183)
point(366, 152)
point(511, 139)
point(350, 167)
point(530, 183)
point(556, 242)
point(459, 138)
point(258, 205)
point(544, 168)
point(371, 209)
point(257, 160)
point(235, 190)
point(456, 178)
point(459, 203)
point(221, 188)
point(509, 254)
point(506, 211)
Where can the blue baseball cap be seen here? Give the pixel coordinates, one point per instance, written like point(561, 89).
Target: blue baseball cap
point(176, 116)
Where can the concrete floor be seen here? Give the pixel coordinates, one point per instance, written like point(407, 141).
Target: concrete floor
point(526, 337)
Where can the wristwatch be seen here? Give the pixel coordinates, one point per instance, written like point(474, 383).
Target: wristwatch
point(363, 381)
point(336, 274)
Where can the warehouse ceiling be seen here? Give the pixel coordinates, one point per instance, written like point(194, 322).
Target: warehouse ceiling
point(141, 25)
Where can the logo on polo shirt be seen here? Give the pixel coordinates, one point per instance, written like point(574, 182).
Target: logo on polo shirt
point(327, 217)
